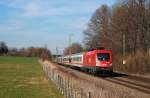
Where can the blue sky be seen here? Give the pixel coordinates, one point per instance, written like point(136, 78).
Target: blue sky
point(25, 23)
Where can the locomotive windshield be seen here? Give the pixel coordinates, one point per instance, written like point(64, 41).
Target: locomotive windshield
point(103, 56)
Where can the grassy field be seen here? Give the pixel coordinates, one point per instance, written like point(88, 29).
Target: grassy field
point(22, 77)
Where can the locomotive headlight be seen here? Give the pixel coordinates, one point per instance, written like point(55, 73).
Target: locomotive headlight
point(104, 64)
point(97, 63)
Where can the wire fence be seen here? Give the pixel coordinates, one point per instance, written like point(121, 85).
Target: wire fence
point(66, 85)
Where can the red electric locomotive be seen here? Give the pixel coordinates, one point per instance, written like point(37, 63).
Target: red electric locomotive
point(98, 60)
point(93, 61)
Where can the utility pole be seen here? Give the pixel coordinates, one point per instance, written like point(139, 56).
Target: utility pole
point(111, 42)
point(124, 52)
point(45, 46)
point(70, 35)
point(56, 52)
point(70, 47)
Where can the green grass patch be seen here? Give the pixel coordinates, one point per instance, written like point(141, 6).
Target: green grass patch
point(22, 77)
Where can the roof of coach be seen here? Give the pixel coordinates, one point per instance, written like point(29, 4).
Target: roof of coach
point(73, 54)
point(76, 54)
point(79, 54)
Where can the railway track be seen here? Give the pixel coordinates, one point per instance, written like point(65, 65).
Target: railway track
point(136, 83)
point(132, 85)
point(146, 80)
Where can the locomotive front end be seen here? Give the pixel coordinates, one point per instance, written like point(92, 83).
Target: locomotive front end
point(104, 60)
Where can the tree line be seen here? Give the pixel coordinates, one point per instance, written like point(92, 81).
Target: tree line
point(40, 52)
point(73, 48)
point(124, 29)
point(3, 48)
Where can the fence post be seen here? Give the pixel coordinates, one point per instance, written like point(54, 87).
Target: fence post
point(65, 88)
point(75, 93)
point(71, 89)
point(89, 95)
point(59, 83)
point(63, 85)
point(81, 93)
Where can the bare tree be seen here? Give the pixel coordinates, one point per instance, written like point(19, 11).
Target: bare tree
point(3, 48)
point(97, 33)
point(74, 48)
point(128, 20)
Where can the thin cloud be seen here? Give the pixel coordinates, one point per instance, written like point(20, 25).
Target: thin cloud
point(52, 20)
point(38, 9)
point(14, 3)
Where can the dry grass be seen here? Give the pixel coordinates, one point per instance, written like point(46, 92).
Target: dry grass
point(138, 63)
point(36, 81)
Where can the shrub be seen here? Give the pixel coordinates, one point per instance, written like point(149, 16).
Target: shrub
point(138, 63)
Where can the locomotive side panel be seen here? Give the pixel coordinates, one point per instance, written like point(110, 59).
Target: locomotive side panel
point(89, 59)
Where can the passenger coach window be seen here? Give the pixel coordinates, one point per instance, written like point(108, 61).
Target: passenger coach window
point(103, 56)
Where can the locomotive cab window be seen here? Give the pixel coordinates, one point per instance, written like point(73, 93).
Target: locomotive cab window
point(103, 56)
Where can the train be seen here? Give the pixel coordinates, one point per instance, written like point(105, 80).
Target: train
point(92, 61)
